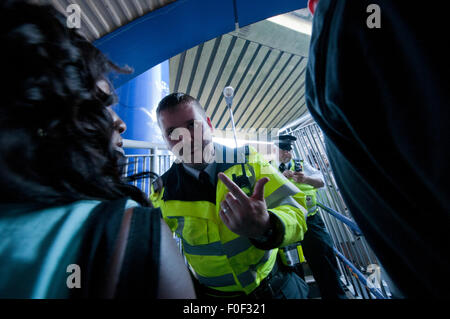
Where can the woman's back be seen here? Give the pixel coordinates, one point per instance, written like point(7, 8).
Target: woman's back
point(69, 251)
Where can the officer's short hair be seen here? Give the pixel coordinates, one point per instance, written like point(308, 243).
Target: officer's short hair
point(172, 100)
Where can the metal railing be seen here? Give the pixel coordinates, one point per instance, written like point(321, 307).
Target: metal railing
point(156, 159)
point(355, 258)
point(350, 266)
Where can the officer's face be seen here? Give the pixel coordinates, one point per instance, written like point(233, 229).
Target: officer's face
point(187, 133)
point(284, 156)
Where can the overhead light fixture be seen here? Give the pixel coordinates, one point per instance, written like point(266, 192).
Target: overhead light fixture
point(293, 22)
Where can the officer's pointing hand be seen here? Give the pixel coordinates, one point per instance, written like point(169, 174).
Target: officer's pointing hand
point(243, 215)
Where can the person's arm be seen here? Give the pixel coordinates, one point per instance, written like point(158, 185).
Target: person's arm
point(300, 177)
point(315, 182)
point(174, 279)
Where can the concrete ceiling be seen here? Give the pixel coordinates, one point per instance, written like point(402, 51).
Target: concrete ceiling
point(100, 17)
point(265, 64)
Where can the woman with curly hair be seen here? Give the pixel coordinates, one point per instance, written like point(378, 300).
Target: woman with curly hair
point(71, 226)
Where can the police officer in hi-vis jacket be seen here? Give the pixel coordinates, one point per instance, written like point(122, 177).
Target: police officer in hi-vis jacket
point(229, 207)
point(317, 244)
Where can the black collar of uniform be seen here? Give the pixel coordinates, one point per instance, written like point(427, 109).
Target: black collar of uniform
point(182, 186)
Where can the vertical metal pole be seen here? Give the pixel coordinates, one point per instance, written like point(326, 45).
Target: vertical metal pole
point(147, 180)
point(135, 169)
point(153, 166)
point(233, 126)
point(126, 166)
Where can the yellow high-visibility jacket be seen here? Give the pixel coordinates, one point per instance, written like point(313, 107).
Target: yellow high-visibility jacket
point(221, 259)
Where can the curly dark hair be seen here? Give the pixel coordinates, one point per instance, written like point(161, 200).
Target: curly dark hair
point(55, 129)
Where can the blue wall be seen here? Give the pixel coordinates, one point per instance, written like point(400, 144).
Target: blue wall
point(181, 25)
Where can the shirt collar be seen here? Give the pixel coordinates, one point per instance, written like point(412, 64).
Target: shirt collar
point(210, 170)
point(192, 171)
point(279, 163)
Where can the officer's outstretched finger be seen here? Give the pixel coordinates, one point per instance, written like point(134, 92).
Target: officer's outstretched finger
point(233, 188)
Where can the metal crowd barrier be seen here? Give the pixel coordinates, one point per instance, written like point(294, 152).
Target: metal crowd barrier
point(358, 259)
point(154, 158)
point(360, 276)
point(347, 221)
point(352, 225)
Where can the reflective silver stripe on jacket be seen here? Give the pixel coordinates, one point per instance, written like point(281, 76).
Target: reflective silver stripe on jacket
point(286, 201)
point(180, 225)
point(249, 276)
point(282, 192)
point(219, 281)
point(231, 248)
point(211, 249)
point(279, 200)
point(236, 246)
point(246, 278)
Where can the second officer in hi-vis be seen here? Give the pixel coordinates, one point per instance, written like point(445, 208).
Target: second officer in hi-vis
point(317, 244)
